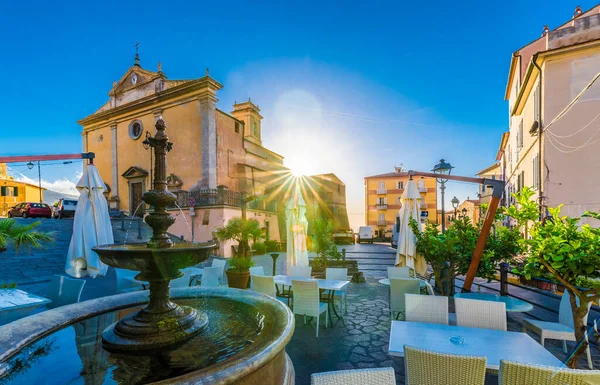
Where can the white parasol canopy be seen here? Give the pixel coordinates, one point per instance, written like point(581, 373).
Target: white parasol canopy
point(91, 227)
point(297, 227)
point(406, 254)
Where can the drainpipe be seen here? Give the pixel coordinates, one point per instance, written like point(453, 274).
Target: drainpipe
point(540, 133)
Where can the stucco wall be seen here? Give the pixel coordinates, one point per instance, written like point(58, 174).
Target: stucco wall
point(217, 217)
point(572, 178)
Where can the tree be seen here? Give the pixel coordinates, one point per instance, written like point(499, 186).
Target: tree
point(525, 211)
point(17, 235)
point(322, 242)
point(567, 253)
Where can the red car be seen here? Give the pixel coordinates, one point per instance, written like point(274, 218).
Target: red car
point(30, 210)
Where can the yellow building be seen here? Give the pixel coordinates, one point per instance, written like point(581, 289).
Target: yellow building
point(216, 156)
point(382, 199)
point(492, 172)
point(13, 192)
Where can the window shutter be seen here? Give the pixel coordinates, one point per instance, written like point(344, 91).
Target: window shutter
point(3, 191)
point(16, 191)
point(520, 135)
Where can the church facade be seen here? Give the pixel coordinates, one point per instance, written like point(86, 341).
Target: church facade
point(216, 155)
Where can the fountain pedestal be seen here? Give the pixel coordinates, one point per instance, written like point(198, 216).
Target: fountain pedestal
point(161, 322)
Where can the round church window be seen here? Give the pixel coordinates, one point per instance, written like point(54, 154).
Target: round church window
point(135, 129)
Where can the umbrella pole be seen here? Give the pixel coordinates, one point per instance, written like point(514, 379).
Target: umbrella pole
point(485, 231)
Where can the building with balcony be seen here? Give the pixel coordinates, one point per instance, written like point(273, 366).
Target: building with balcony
point(492, 172)
point(217, 159)
point(382, 199)
point(553, 101)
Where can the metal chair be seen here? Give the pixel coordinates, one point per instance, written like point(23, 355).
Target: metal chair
point(183, 281)
point(338, 274)
point(431, 368)
point(221, 264)
point(475, 313)
point(64, 291)
point(375, 376)
point(210, 277)
point(307, 303)
point(398, 272)
point(426, 308)
point(561, 330)
point(516, 373)
point(398, 288)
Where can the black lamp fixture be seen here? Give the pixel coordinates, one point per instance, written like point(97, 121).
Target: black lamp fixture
point(30, 165)
point(443, 168)
point(464, 212)
point(147, 145)
point(455, 203)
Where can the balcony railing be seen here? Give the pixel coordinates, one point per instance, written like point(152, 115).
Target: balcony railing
point(381, 191)
point(382, 206)
point(221, 197)
point(381, 222)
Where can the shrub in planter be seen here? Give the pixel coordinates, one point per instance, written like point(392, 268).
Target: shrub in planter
point(272, 246)
point(323, 245)
point(259, 248)
point(238, 273)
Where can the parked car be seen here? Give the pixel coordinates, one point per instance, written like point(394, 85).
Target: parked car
point(30, 210)
point(64, 208)
point(365, 234)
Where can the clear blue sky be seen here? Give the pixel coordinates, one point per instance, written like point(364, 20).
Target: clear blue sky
point(378, 83)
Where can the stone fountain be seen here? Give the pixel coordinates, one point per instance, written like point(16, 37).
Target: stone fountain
point(161, 322)
point(212, 336)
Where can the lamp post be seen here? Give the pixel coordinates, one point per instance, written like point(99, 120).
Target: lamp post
point(464, 212)
point(30, 166)
point(442, 168)
point(146, 144)
point(455, 203)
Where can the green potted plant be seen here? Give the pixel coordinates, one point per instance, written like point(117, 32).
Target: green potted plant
point(561, 249)
point(323, 245)
point(240, 230)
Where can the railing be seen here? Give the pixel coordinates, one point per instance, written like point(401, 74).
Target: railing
point(381, 222)
point(221, 197)
point(381, 191)
point(382, 206)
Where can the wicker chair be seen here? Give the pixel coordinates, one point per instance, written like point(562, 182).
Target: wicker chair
point(430, 368)
point(561, 330)
point(307, 301)
point(398, 272)
point(375, 376)
point(426, 308)
point(475, 313)
point(398, 288)
point(516, 373)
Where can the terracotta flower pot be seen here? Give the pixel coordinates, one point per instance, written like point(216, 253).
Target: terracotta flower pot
point(238, 279)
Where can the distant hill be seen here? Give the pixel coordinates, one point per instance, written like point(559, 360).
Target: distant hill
point(50, 197)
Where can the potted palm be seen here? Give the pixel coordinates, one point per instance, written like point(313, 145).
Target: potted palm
point(240, 230)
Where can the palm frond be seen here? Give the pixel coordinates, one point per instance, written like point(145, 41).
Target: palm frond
point(19, 235)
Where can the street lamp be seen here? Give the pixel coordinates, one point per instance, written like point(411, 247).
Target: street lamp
point(464, 212)
point(30, 166)
point(147, 145)
point(455, 203)
point(443, 168)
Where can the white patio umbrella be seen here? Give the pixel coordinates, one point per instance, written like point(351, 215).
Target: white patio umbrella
point(91, 227)
point(406, 254)
point(297, 227)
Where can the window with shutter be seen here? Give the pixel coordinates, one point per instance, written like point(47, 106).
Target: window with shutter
point(3, 191)
point(15, 191)
point(520, 135)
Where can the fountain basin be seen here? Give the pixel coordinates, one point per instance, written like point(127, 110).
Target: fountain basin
point(260, 359)
point(155, 263)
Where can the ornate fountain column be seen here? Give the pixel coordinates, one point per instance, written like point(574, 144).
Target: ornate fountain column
point(161, 322)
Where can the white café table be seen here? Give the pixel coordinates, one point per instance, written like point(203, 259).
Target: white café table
point(324, 284)
point(15, 304)
point(495, 345)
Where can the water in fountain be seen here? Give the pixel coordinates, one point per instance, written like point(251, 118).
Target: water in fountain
point(131, 221)
point(185, 219)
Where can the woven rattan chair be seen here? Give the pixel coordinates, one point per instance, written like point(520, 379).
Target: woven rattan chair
point(516, 373)
point(426, 308)
point(424, 367)
point(475, 313)
point(375, 376)
point(398, 288)
point(398, 272)
point(561, 330)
